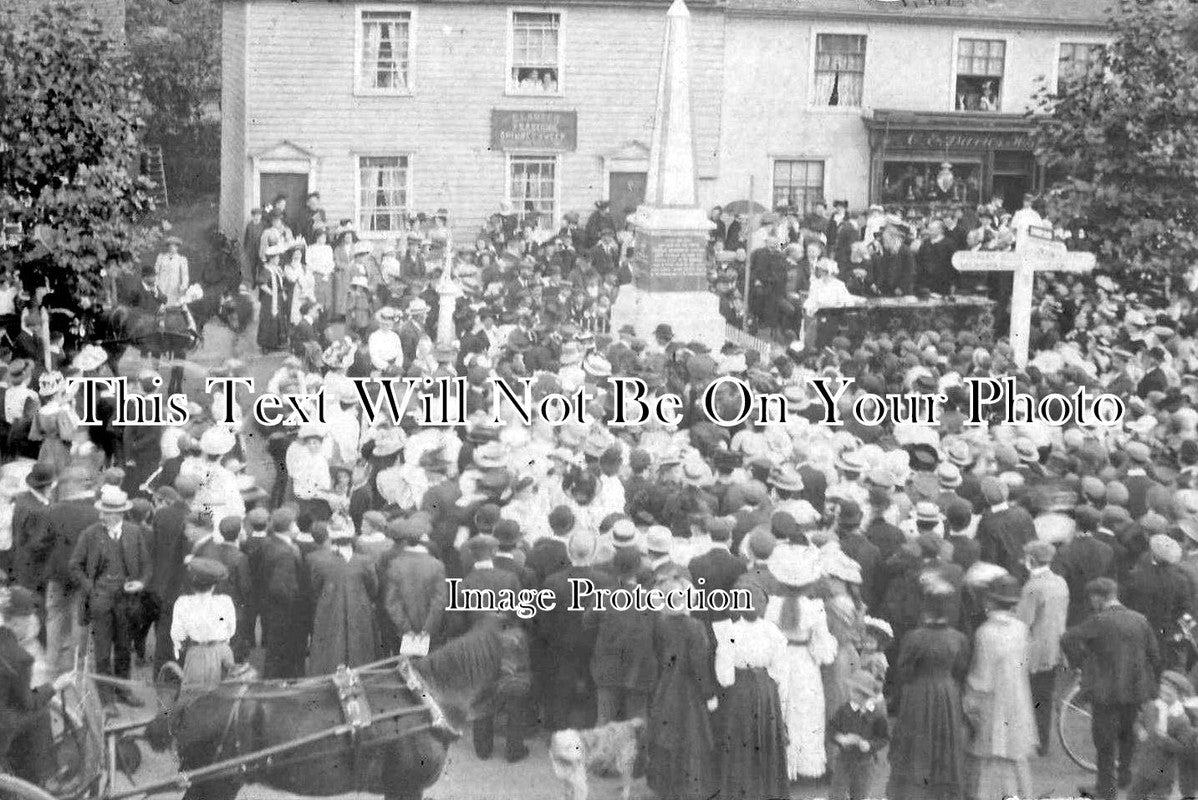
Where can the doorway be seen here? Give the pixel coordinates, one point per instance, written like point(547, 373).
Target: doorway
point(293, 186)
point(626, 192)
point(1013, 178)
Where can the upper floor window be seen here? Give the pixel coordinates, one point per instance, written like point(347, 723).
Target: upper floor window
point(839, 70)
point(980, 64)
point(536, 55)
point(385, 51)
point(1077, 59)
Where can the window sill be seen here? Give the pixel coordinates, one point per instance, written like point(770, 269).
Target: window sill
point(359, 92)
point(847, 110)
point(542, 95)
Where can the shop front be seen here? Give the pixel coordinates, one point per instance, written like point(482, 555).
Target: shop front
point(922, 159)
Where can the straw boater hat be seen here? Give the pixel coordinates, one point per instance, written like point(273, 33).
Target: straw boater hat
point(90, 358)
point(112, 501)
point(796, 568)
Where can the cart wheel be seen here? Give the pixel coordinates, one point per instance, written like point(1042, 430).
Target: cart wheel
point(1073, 726)
point(16, 789)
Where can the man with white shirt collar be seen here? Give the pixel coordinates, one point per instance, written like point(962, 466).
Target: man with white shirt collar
point(31, 540)
point(112, 565)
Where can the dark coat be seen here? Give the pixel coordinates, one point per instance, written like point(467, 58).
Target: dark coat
point(18, 701)
point(343, 629)
point(1117, 650)
point(87, 561)
point(1080, 561)
point(868, 556)
point(681, 744)
point(32, 543)
point(142, 448)
point(168, 548)
point(718, 569)
point(282, 578)
point(492, 579)
point(68, 519)
point(966, 551)
point(1161, 592)
point(624, 655)
point(1138, 488)
point(238, 584)
point(414, 593)
point(1001, 536)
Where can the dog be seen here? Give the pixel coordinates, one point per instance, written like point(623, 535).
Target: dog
point(609, 749)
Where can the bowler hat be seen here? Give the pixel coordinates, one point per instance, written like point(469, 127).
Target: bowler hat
point(40, 477)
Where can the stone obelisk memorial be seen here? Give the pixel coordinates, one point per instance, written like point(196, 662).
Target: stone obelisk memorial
point(670, 245)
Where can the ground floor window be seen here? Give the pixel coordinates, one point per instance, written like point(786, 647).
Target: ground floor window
point(532, 188)
point(931, 181)
point(383, 193)
point(798, 185)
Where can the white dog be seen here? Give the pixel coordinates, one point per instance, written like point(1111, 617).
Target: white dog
point(605, 750)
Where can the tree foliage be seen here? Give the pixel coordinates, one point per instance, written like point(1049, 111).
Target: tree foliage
point(1124, 138)
point(175, 48)
point(69, 149)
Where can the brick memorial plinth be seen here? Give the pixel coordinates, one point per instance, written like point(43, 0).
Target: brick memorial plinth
point(670, 245)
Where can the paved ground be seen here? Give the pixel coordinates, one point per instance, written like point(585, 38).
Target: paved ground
point(466, 777)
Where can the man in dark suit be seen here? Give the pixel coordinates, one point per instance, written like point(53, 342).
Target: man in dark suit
point(717, 568)
point(1158, 589)
point(1117, 649)
point(69, 516)
point(222, 547)
point(26, 737)
point(282, 580)
point(1137, 480)
point(569, 639)
point(548, 556)
point(1082, 559)
point(509, 556)
point(168, 547)
point(483, 576)
point(857, 547)
point(605, 256)
point(1004, 529)
point(412, 582)
point(31, 540)
point(112, 564)
point(413, 329)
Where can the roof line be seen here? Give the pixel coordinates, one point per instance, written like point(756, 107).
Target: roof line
point(921, 19)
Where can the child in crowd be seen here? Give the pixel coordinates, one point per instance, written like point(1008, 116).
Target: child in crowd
point(1164, 735)
point(859, 730)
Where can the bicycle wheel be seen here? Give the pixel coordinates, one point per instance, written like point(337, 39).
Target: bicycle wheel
point(1073, 727)
point(16, 789)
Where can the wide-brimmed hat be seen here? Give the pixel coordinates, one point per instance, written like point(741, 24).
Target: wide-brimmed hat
point(959, 453)
point(948, 475)
point(881, 630)
point(850, 461)
point(112, 500)
point(175, 240)
point(40, 477)
point(1026, 450)
point(795, 567)
point(786, 479)
point(418, 306)
point(596, 366)
point(1164, 550)
point(91, 357)
point(50, 383)
point(217, 441)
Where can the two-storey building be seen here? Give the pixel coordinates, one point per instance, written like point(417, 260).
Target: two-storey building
point(390, 108)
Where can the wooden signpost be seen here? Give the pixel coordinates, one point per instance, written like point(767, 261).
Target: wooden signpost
point(1034, 252)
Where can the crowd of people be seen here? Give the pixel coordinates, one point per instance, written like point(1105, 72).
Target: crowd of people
point(916, 589)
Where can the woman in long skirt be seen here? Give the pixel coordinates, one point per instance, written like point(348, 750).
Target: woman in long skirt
point(202, 625)
point(845, 612)
point(927, 750)
point(810, 645)
point(272, 316)
point(343, 266)
point(750, 663)
point(679, 732)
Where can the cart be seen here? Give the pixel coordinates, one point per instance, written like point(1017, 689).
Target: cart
point(90, 751)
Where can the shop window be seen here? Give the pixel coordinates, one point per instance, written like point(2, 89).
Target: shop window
point(535, 63)
point(1078, 59)
point(931, 182)
point(980, 64)
point(533, 189)
point(798, 185)
point(839, 70)
point(383, 193)
point(384, 48)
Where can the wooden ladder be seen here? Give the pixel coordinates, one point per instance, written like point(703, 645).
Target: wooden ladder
point(155, 171)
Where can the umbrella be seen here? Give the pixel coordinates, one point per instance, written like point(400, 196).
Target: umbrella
point(745, 207)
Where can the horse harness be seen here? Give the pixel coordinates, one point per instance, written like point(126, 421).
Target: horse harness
point(355, 709)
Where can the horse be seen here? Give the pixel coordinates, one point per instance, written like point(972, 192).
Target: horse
point(398, 757)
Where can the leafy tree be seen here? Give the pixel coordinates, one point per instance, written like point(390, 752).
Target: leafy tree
point(1124, 136)
point(175, 47)
point(69, 151)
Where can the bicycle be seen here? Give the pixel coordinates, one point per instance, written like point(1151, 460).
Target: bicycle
point(1073, 713)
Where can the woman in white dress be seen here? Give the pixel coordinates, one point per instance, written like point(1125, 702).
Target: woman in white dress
point(321, 265)
point(810, 645)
